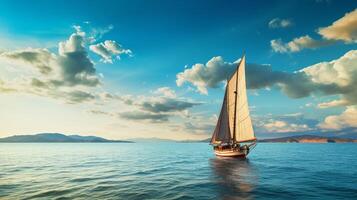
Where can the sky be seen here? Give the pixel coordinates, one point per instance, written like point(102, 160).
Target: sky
point(142, 69)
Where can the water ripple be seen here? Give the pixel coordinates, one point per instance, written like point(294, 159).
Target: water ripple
point(176, 171)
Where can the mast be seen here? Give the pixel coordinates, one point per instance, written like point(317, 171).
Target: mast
point(235, 104)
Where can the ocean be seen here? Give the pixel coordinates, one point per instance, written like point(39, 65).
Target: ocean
point(176, 171)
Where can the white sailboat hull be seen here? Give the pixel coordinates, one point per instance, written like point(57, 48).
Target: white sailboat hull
point(231, 153)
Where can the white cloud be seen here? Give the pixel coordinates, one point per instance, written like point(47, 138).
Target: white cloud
point(340, 73)
point(285, 127)
point(4, 88)
point(75, 43)
point(161, 105)
point(333, 103)
point(70, 67)
point(299, 114)
point(344, 28)
point(156, 108)
point(70, 74)
point(96, 33)
point(145, 116)
point(287, 123)
point(108, 50)
point(278, 46)
point(279, 23)
point(206, 75)
point(166, 92)
point(297, 44)
point(41, 59)
point(348, 118)
point(309, 105)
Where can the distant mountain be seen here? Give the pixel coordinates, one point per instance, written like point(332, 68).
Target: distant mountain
point(309, 139)
point(56, 137)
point(88, 138)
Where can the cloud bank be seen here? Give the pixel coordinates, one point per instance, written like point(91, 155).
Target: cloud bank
point(144, 116)
point(345, 119)
point(157, 108)
point(284, 127)
point(337, 77)
point(288, 123)
point(69, 74)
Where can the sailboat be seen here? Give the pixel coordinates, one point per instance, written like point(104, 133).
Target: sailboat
point(234, 134)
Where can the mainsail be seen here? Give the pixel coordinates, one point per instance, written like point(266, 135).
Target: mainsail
point(234, 123)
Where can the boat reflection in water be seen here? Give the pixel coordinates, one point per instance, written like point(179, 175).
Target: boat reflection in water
point(236, 178)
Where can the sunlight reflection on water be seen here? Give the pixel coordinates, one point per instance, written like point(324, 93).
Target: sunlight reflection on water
point(237, 178)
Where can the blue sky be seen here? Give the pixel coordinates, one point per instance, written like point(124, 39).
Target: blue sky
point(166, 38)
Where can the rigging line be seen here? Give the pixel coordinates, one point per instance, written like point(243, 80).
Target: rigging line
point(243, 119)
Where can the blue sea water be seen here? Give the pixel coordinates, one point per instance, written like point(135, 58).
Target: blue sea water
point(176, 171)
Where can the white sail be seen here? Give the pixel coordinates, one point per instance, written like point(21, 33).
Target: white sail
point(234, 123)
point(240, 122)
point(222, 133)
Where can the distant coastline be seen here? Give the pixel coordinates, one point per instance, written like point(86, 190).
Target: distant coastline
point(57, 138)
point(62, 138)
point(309, 139)
point(296, 139)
